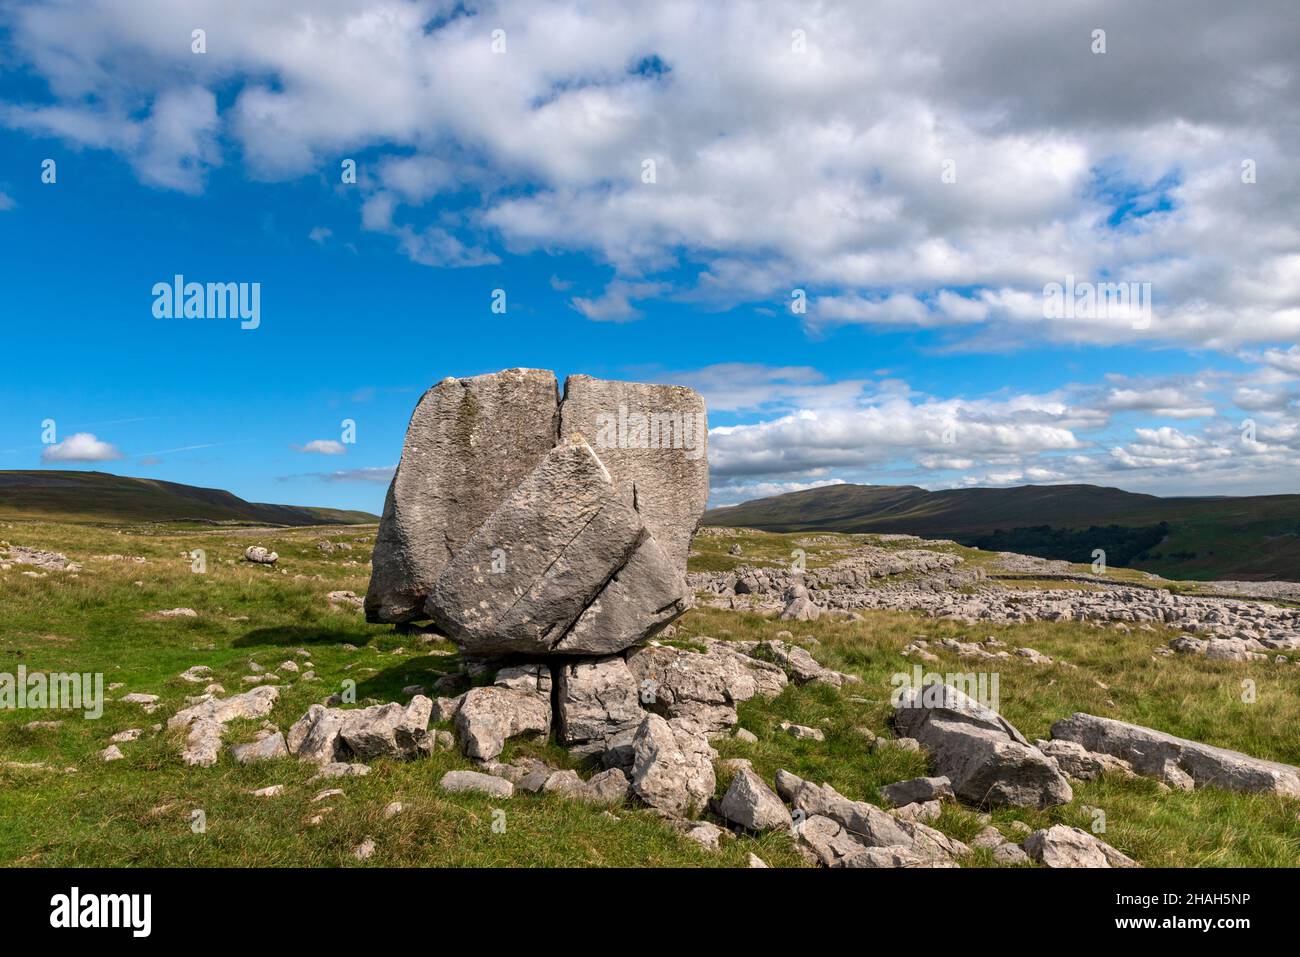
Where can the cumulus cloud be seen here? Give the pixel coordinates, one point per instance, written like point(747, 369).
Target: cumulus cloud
point(81, 447)
point(915, 166)
point(1117, 431)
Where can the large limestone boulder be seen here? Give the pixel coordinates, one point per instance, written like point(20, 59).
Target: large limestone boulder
point(654, 441)
point(1163, 756)
point(469, 443)
point(566, 535)
point(987, 760)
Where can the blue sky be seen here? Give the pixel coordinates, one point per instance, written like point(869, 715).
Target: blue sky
point(924, 355)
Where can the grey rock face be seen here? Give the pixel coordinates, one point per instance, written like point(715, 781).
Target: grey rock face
point(917, 790)
point(704, 688)
point(488, 716)
point(469, 443)
point(565, 532)
point(987, 760)
point(672, 765)
point(1156, 754)
point(597, 701)
point(517, 542)
point(750, 803)
point(1063, 846)
point(644, 595)
point(654, 441)
point(1078, 762)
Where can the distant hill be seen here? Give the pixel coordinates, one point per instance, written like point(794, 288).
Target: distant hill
point(68, 496)
point(1247, 538)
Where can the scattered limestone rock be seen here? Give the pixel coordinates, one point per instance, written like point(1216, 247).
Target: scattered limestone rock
point(206, 721)
point(597, 702)
point(1177, 761)
point(802, 732)
point(267, 749)
point(488, 716)
point(472, 781)
point(750, 803)
point(1063, 846)
point(987, 760)
point(260, 556)
point(672, 766)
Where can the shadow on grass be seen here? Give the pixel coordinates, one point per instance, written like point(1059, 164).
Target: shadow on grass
point(301, 635)
point(387, 685)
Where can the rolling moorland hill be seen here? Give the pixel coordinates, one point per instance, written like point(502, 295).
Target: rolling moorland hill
point(72, 496)
point(1252, 538)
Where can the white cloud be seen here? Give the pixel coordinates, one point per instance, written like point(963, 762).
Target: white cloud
point(774, 169)
point(323, 447)
point(80, 447)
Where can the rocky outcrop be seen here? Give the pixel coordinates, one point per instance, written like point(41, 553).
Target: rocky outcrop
point(333, 735)
point(206, 721)
point(987, 760)
point(1177, 761)
point(701, 687)
point(838, 832)
point(1079, 763)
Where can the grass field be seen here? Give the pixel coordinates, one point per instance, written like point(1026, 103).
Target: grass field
point(138, 811)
